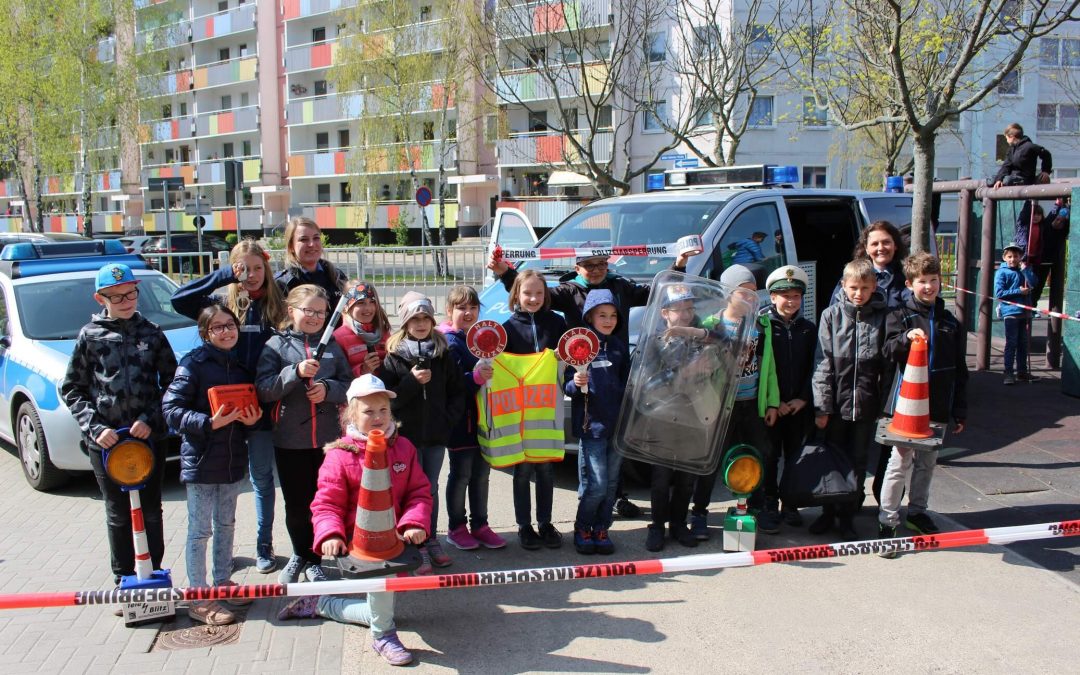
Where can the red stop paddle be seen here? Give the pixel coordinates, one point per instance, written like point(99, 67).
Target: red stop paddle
point(578, 347)
point(486, 339)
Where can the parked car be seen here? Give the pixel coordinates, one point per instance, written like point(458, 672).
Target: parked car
point(46, 296)
point(65, 236)
point(136, 243)
point(184, 242)
point(8, 238)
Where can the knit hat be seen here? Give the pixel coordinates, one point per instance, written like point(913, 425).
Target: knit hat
point(595, 298)
point(737, 275)
point(365, 385)
point(786, 278)
point(415, 304)
point(675, 293)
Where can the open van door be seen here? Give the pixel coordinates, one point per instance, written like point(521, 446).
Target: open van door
point(510, 229)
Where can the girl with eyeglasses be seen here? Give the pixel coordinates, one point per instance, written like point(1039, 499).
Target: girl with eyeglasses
point(304, 263)
point(305, 394)
point(213, 454)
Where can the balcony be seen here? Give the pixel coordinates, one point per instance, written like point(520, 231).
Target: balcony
point(227, 121)
point(241, 69)
point(214, 172)
point(175, 82)
point(231, 21)
point(330, 108)
point(550, 148)
point(11, 223)
point(571, 81)
point(552, 16)
point(433, 97)
point(163, 37)
point(338, 216)
point(295, 9)
point(395, 158)
point(311, 56)
point(72, 184)
point(182, 170)
point(222, 218)
point(544, 212)
point(9, 189)
point(166, 129)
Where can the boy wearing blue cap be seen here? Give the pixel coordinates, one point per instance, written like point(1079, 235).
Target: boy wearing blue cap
point(120, 367)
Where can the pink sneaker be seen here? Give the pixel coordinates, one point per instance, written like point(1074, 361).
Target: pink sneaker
point(425, 567)
point(438, 555)
point(487, 538)
point(390, 648)
point(460, 537)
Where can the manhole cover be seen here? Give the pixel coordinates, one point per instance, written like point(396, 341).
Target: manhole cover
point(183, 633)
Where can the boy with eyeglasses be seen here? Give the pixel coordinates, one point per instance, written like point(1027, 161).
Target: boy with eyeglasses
point(120, 367)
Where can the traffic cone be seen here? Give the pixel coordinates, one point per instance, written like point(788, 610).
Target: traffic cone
point(375, 535)
point(911, 418)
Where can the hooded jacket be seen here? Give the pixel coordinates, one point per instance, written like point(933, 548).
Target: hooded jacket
point(427, 412)
point(294, 275)
point(594, 415)
point(890, 284)
point(118, 371)
point(531, 332)
point(463, 435)
point(207, 455)
point(850, 364)
point(794, 344)
point(299, 423)
point(1007, 284)
point(1020, 161)
point(333, 511)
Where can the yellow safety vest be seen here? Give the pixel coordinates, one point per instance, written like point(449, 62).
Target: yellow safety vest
point(521, 411)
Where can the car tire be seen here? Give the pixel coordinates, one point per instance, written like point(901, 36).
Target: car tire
point(34, 451)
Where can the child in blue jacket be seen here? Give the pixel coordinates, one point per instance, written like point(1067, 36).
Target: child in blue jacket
point(1013, 283)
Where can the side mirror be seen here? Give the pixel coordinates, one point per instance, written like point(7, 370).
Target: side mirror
point(5, 341)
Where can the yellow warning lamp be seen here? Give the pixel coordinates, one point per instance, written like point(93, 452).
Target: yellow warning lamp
point(129, 463)
point(743, 471)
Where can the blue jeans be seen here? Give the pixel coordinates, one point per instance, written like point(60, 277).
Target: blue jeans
point(468, 470)
point(211, 510)
point(1017, 329)
point(598, 480)
point(375, 610)
point(431, 461)
point(261, 469)
point(545, 492)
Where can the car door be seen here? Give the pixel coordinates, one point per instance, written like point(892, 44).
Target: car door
point(510, 228)
point(5, 346)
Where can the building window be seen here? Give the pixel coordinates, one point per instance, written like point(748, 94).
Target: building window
point(343, 138)
point(223, 5)
point(166, 111)
point(815, 176)
point(812, 115)
point(425, 13)
point(656, 47)
point(759, 39)
point(227, 150)
point(318, 34)
point(949, 173)
point(429, 131)
point(320, 87)
point(652, 121)
point(183, 109)
point(243, 49)
point(324, 193)
point(226, 102)
point(170, 155)
point(1058, 117)
point(451, 129)
point(1010, 84)
point(761, 112)
point(223, 54)
point(346, 191)
point(246, 147)
point(1059, 52)
point(322, 140)
point(244, 99)
point(603, 117)
point(705, 117)
point(1065, 173)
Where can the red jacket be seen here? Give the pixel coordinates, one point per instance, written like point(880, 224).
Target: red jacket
point(333, 511)
point(356, 349)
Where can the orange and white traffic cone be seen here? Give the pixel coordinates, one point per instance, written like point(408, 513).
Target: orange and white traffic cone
point(375, 534)
point(144, 569)
point(911, 418)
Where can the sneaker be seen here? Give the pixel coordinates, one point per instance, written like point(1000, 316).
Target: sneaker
point(603, 543)
point(791, 516)
point(210, 613)
point(265, 562)
point(823, 524)
point(235, 602)
point(302, 608)
point(390, 648)
point(583, 541)
point(626, 508)
point(768, 520)
point(315, 573)
point(886, 532)
point(530, 540)
point(681, 534)
point(438, 555)
point(699, 526)
point(460, 537)
point(550, 536)
point(1009, 379)
point(425, 567)
point(921, 523)
point(655, 540)
point(487, 537)
point(290, 574)
point(1026, 377)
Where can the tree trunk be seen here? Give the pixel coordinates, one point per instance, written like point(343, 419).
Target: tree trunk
point(39, 217)
point(923, 149)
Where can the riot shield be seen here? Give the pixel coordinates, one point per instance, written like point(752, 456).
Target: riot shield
point(684, 372)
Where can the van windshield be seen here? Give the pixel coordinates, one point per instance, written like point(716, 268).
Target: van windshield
point(627, 223)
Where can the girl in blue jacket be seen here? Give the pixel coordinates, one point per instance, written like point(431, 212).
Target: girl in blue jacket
point(213, 453)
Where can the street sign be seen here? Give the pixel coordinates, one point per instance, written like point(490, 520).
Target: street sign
point(200, 222)
point(172, 184)
point(423, 196)
point(667, 157)
point(686, 163)
point(201, 208)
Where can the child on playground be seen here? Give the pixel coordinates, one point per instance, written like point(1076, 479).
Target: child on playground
point(594, 416)
point(213, 453)
point(1013, 282)
point(333, 512)
point(430, 401)
point(924, 316)
point(469, 473)
point(364, 330)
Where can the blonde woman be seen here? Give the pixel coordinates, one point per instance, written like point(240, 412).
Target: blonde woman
point(304, 263)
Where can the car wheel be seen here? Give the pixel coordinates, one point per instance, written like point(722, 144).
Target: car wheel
point(34, 451)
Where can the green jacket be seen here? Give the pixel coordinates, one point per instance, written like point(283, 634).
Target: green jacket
point(768, 385)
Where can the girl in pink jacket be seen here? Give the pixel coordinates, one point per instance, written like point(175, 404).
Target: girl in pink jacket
point(333, 512)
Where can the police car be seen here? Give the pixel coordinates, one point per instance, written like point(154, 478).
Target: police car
point(46, 296)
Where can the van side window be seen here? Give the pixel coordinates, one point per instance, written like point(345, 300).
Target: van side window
point(755, 240)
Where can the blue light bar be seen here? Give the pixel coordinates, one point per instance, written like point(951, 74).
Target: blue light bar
point(776, 175)
point(114, 247)
point(23, 251)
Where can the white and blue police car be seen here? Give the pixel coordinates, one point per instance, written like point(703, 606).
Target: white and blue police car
point(46, 296)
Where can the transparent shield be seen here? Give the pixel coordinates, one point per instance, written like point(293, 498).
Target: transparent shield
point(684, 372)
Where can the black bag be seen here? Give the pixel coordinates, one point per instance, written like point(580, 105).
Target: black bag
point(822, 474)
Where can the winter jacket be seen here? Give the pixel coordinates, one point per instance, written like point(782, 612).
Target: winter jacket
point(118, 371)
point(746, 251)
point(333, 511)
point(293, 276)
point(595, 414)
point(356, 349)
point(1007, 284)
point(1020, 161)
point(794, 344)
point(529, 332)
point(463, 435)
point(207, 455)
point(299, 423)
point(850, 364)
point(427, 412)
point(890, 284)
point(947, 344)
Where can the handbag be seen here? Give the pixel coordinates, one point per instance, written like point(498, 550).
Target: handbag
point(821, 474)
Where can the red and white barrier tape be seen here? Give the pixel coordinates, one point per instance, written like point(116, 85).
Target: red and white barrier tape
point(1044, 312)
point(687, 244)
point(710, 561)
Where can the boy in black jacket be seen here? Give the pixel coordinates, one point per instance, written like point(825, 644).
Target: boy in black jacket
point(923, 315)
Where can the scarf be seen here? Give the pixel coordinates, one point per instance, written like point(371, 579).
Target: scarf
point(370, 336)
point(352, 432)
point(412, 349)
